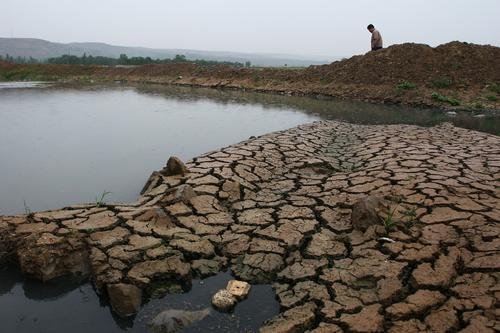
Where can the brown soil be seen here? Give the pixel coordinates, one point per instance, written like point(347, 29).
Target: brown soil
point(466, 72)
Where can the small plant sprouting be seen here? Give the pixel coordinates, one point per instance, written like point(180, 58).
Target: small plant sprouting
point(388, 221)
point(100, 201)
point(27, 210)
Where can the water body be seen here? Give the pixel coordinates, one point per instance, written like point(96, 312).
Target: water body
point(65, 145)
point(69, 305)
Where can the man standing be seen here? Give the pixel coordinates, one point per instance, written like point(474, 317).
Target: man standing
point(376, 38)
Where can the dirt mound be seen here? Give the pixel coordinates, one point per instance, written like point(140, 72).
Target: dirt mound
point(462, 63)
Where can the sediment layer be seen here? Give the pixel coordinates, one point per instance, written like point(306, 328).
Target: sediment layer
point(293, 208)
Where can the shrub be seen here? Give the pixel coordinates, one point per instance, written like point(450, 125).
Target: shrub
point(442, 82)
point(445, 99)
point(405, 85)
point(494, 87)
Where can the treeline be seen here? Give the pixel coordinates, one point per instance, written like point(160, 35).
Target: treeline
point(19, 60)
point(124, 60)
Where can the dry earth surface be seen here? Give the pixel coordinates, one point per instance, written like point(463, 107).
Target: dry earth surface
point(360, 229)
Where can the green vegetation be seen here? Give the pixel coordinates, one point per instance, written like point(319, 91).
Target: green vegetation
point(445, 99)
point(494, 87)
point(492, 98)
point(100, 201)
point(404, 86)
point(388, 221)
point(442, 82)
point(124, 60)
point(19, 60)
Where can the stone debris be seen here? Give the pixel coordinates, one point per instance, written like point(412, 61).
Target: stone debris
point(239, 289)
point(359, 228)
point(125, 299)
point(223, 300)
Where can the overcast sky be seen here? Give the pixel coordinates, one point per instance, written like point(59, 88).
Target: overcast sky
point(307, 27)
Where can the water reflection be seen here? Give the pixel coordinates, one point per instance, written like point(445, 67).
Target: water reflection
point(328, 108)
point(69, 304)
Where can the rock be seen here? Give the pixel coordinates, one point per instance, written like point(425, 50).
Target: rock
point(125, 299)
point(174, 167)
point(223, 300)
point(365, 212)
point(170, 321)
point(182, 193)
point(52, 256)
point(238, 289)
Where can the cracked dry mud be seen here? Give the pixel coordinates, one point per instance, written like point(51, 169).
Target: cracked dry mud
point(277, 208)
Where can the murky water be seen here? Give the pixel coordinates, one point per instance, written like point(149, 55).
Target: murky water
point(68, 305)
point(65, 145)
point(60, 146)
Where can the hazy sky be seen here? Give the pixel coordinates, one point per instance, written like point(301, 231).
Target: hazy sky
point(308, 27)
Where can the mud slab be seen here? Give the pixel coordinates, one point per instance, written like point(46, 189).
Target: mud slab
point(278, 208)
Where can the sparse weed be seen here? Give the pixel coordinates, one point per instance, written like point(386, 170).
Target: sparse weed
point(445, 99)
point(494, 87)
point(388, 221)
point(404, 85)
point(442, 82)
point(100, 201)
point(492, 98)
point(27, 210)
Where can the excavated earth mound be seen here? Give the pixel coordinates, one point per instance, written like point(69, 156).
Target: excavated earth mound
point(360, 228)
point(463, 63)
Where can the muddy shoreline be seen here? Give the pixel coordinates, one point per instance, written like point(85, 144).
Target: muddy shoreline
point(290, 208)
point(452, 76)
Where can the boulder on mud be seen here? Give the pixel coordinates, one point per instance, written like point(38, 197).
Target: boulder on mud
point(174, 167)
point(125, 299)
point(52, 256)
point(365, 212)
point(223, 300)
point(170, 321)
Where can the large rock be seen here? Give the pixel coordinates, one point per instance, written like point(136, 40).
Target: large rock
point(170, 321)
point(174, 167)
point(125, 299)
point(52, 256)
point(365, 212)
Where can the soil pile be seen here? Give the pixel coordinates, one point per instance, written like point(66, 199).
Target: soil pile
point(462, 63)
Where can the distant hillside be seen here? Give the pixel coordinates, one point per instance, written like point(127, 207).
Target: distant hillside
point(42, 49)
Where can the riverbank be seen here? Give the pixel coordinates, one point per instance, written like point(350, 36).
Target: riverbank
point(362, 228)
point(454, 76)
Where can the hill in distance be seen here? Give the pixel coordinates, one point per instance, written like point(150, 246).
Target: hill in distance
point(42, 49)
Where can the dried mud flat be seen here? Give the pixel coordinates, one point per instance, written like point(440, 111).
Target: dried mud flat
point(293, 208)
